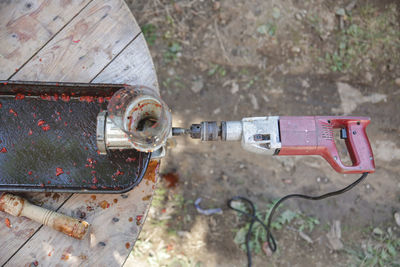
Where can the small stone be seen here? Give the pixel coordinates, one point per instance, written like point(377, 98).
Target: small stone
point(242, 166)
point(368, 76)
point(217, 111)
point(319, 179)
point(306, 237)
point(397, 218)
point(171, 72)
point(296, 49)
point(397, 81)
point(335, 235)
point(254, 101)
point(234, 88)
point(197, 85)
point(115, 219)
point(102, 244)
point(298, 16)
point(305, 84)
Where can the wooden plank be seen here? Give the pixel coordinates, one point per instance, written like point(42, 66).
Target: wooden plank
point(104, 28)
point(133, 66)
point(85, 46)
point(116, 222)
point(25, 26)
point(22, 229)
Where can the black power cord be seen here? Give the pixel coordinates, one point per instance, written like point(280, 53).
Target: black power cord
point(270, 238)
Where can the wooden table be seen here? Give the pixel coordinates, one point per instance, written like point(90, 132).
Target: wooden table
point(79, 41)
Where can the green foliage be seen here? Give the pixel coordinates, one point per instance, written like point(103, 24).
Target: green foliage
point(170, 55)
point(259, 235)
point(382, 249)
point(149, 32)
point(216, 69)
point(370, 34)
point(268, 28)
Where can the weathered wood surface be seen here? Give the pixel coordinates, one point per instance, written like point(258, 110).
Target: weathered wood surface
point(25, 26)
point(85, 46)
point(101, 42)
point(115, 221)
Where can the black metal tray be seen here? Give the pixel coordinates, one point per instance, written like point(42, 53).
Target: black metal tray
point(48, 140)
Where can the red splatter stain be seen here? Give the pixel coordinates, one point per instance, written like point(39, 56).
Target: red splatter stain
point(129, 160)
point(55, 97)
point(7, 222)
point(100, 99)
point(88, 99)
point(1, 105)
point(172, 179)
point(19, 97)
point(65, 123)
point(164, 210)
point(41, 122)
point(3, 150)
point(13, 112)
point(127, 245)
point(30, 132)
point(65, 98)
point(30, 172)
point(45, 97)
point(59, 171)
point(138, 219)
point(40, 59)
point(170, 247)
point(77, 41)
point(45, 128)
point(104, 204)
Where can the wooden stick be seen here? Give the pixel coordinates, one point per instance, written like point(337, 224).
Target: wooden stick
point(18, 206)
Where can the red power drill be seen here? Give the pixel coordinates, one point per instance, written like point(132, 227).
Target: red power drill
point(294, 135)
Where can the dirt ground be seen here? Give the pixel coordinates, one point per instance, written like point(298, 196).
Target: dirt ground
point(225, 60)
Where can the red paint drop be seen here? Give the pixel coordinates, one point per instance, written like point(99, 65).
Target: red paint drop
point(59, 171)
point(172, 179)
point(77, 41)
point(3, 150)
point(46, 128)
point(41, 122)
point(30, 172)
point(30, 132)
point(19, 97)
point(65, 98)
point(13, 112)
point(129, 160)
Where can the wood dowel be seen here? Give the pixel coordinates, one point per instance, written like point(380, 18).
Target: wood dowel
point(18, 206)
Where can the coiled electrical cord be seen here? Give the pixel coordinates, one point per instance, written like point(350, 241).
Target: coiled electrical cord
point(270, 238)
